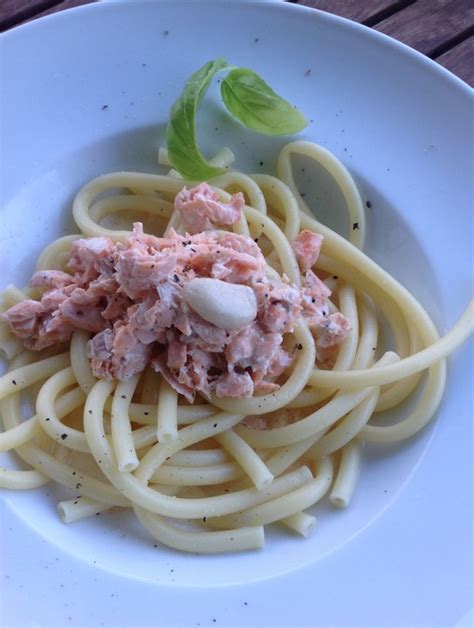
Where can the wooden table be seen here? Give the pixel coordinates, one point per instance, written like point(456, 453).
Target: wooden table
point(441, 29)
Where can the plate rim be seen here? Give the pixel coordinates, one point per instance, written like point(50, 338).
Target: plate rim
point(122, 5)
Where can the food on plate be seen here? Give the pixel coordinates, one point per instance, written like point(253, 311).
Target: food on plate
point(219, 362)
point(199, 309)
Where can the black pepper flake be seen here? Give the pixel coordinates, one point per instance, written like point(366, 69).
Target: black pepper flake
point(97, 513)
point(146, 413)
point(299, 346)
point(155, 545)
point(166, 33)
point(313, 300)
point(104, 107)
point(302, 194)
point(123, 396)
point(261, 163)
point(75, 503)
point(89, 411)
point(256, 40)
point(335, 277)
point(215, 424)
point(63, 436)
point(246, 603)
point(355, 226)
point(78, 485)
point(14, 382)
point(152, 266)
point(204, 519)
point(74, 473)
point(368, 204)
point(176, 278)
point(308, 72)
point(47, 418)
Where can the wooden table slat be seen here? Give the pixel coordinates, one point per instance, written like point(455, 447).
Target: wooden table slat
point(428, 24)
point(14, 11)
point(460, 60)
point(357, 10)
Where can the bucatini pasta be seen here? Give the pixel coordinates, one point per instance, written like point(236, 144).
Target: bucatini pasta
point(227, 466)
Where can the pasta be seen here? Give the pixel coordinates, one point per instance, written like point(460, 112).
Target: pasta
point(137, 444)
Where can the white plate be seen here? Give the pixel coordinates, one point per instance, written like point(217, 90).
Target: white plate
point(88, 91)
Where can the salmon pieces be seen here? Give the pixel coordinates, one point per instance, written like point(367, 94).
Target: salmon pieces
point(135, 299)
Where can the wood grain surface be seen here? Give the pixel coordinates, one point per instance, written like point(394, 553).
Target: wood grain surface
point(460, 59)
point(14, 12)
point(368, 13)
point(429, 25)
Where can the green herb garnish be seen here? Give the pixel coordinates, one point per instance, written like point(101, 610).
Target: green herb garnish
point(255, 104)
point(246, 96)
point(183, 150)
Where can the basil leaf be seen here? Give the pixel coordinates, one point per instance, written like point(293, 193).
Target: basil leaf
point(183, 151)
point(257, 106)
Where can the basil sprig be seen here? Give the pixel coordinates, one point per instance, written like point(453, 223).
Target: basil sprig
point(183, 150)
point(246, 96)
point(257, 106)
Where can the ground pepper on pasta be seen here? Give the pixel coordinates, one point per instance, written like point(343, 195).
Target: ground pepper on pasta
point(228, 418)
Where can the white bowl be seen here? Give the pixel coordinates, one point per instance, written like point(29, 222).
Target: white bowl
point(88, 91)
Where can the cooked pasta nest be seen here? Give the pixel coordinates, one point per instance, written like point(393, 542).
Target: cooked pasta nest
point(136, 444)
